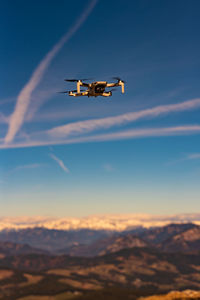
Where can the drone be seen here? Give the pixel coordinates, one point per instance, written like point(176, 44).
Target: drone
point(94, 89)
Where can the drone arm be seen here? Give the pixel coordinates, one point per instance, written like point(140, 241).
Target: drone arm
point(79, 83)
point(122, 85)
point(75, 94)
point(112, 84)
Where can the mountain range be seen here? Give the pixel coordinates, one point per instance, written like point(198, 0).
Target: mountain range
point(141, 270)
point(171, 238)
point(89, 264)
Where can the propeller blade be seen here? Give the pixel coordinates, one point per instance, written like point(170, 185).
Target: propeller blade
point(71, 80)
point(68, 92)
point(73, 91)
point(75, 80)
point(119, 79)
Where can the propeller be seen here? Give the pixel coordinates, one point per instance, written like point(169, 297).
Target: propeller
point(64, 92)
point(119, 79)
point(73, 91)
point(76, 80)
point(71, 80)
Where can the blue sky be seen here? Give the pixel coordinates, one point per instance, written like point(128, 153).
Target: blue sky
point(132, 153)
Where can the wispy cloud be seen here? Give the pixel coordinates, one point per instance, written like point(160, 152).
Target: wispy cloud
point(193, 156)
point(184, 158)
point(108, 168)
point(37, 100)
point(120, 135)
point(23, 99)
point(3, 118)
point(25, 167)
point(141, 133)
point(108, 122)
point(60, 163)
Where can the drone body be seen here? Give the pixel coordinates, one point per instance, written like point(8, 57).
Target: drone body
point(94, 89)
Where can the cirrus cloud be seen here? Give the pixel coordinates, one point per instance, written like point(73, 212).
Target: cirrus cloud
point(108, 122)
point(60, 163)
point(23, 99)
point(120, 135)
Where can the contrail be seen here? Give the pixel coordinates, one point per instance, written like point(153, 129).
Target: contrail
point(60, 163)
point(23, 99)
point(120, 135)
point(193, 156)
point(142, 133)
point(86, 126)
